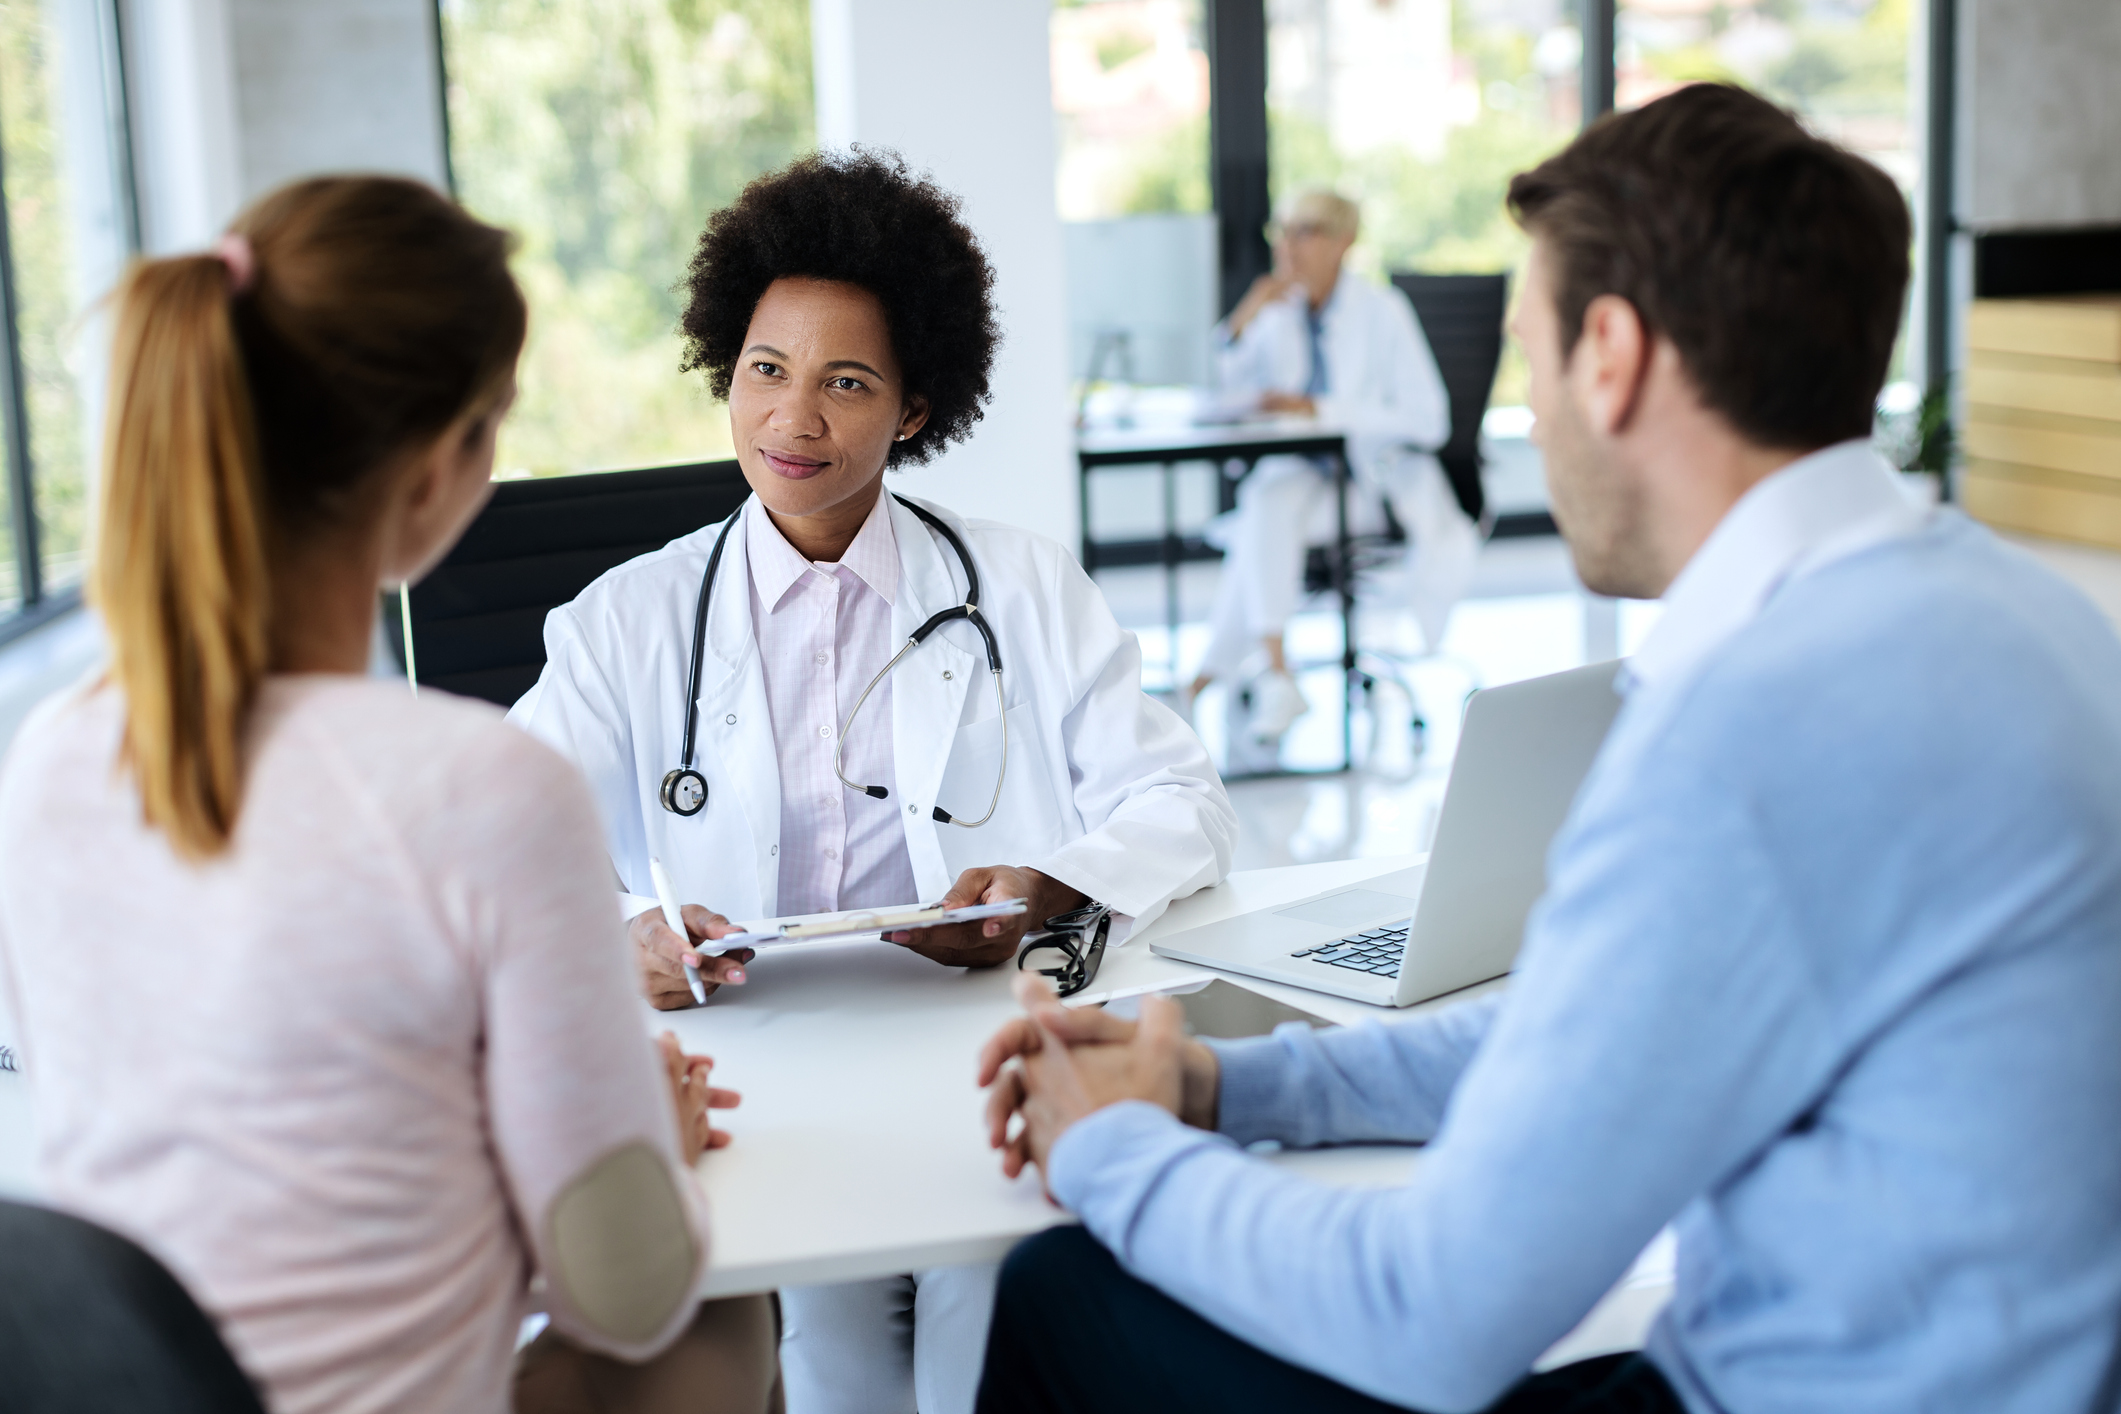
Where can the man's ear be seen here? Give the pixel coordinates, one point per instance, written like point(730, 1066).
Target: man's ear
point(1610, 363)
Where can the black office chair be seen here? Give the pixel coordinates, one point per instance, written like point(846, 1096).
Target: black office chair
point(478, 621)
point(1462, 317)
point(89, 1323)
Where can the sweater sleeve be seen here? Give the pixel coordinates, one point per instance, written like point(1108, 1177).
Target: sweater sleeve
point(575, 709)
point(1364, 1084)
point(578, 1105)
point(1662, 1027)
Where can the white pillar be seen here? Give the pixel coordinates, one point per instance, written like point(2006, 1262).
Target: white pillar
point(232, 98)
point(963, 89)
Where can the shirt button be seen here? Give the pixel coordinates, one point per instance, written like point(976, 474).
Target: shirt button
point(824, 731)
point(773, 849)
point(824, 657)
point(913, 810)
point(832, 854)
point(731, 719)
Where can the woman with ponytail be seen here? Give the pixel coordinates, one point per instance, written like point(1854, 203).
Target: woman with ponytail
point(366, 1058)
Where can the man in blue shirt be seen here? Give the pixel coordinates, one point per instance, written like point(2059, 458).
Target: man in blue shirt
point(1828, 973)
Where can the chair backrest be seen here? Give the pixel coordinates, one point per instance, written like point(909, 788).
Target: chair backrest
point(1461, 315)
point(90, 1323)
point(478, 621)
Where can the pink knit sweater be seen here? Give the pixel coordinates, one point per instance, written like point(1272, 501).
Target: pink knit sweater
point(334, 1078)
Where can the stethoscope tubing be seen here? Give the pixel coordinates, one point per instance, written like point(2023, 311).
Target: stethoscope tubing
point(969, 611)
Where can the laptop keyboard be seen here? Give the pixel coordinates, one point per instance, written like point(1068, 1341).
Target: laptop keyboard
point(1378, 951)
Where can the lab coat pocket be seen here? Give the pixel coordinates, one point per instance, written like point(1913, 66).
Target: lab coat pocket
point(1033, 818)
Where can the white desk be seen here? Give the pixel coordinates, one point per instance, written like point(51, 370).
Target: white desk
point(860, 1150)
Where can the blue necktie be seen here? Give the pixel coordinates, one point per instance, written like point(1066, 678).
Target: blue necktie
point(1316, 385)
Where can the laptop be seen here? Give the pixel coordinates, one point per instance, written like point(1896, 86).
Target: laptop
point(1418, 933)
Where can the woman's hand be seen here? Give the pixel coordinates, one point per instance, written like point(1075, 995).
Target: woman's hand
point(661, 955)
point(693, 1098)
point(989, 942)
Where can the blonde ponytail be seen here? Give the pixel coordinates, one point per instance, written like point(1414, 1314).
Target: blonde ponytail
point(180, 571)
point(253, 396)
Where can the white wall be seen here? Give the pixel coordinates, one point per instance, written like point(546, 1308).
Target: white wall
point(963, 89)
point(2040, 111)
point(234, 97)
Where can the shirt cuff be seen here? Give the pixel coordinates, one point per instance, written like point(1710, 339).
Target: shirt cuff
point(1061, 869)
point(1251, 1088)
point(1096, 1141)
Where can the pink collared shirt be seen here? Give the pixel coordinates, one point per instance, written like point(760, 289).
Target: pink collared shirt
point(823, 632)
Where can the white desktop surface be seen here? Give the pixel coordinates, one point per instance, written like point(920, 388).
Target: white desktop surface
point(860, 1149)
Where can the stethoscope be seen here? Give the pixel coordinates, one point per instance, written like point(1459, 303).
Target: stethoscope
point(684, 790)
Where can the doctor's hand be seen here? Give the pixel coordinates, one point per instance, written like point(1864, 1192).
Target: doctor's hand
point(1268, 288)
point(661, 955)
point(1055, 1064)
point(990, 941)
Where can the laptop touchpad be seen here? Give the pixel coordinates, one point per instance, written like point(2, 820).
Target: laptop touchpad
point(1348, 910)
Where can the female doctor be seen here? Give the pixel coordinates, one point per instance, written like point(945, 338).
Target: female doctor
point(844, 311)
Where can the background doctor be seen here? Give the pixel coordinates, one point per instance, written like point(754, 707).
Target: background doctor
point(844, 311)
point(1312, 339)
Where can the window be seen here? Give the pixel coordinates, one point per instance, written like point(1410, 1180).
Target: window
point(1842, 65)
point(604, 133)
point(1130, 90)
point(1422, 110)
point(65, 176)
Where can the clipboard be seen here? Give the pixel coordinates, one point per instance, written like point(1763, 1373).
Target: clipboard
point(864, 923)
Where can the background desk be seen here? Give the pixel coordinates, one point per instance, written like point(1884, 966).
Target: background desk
point(1235, 449)
point(860, 1149)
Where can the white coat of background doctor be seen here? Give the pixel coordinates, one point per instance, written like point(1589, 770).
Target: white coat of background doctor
point(1313, 339)
point(1108, 795)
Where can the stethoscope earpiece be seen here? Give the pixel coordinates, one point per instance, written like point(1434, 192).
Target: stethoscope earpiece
point(684, 790)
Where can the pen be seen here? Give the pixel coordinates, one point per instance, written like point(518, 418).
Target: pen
point(668, 897)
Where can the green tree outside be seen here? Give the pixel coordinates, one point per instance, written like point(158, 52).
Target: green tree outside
point(604, 133)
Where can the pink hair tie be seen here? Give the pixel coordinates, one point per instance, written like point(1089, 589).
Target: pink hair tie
point(235, 252)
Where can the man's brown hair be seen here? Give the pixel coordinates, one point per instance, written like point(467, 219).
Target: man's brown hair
point(1773, 260)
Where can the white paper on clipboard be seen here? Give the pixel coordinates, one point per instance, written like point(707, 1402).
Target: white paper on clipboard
point(860, 923)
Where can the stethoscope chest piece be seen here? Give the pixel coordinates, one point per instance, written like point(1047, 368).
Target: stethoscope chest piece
point(684, 791)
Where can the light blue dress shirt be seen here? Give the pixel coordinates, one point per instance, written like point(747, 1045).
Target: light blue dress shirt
point(1828, 975)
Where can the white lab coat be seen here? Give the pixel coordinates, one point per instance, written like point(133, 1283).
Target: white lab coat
point(1107, 790)
point(1384, 392)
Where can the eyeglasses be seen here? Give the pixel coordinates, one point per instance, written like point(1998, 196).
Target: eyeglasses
point(1079, 937)
point(1297, 231)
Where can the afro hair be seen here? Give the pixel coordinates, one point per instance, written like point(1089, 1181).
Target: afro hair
point(862, 218)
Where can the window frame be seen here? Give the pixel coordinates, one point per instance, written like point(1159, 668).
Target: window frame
point(39, 604)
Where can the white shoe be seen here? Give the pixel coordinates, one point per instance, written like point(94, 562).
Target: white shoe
point(1276, 704)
